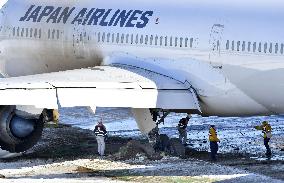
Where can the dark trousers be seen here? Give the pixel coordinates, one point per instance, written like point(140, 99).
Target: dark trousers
point(268, 150)
point(214, 150)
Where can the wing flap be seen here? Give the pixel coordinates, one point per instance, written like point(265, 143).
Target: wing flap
point(104, 86)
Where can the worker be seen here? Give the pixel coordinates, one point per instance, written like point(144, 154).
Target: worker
point(182, 125)
point(213, 142)
point(267, 134)
point(101, 133)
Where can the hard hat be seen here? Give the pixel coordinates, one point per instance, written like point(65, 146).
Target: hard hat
point(264, 122)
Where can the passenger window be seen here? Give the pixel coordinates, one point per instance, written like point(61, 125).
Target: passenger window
point(171, 41)
point(27, 32)
point(244, 46)
point(35, 33)
point(180, 42)
point(14, 31)
point(191, 42)
point(112, 38)
point(39, 33)
point(238, 45)
point(156, 40)
point(108, 37)
point(228, 45)
point(103, 37)
point(122, 38)
point(176, 42)
point(186, 42)
point(136, 40)
point(265, 47)
point(58, 34)
point(276, 48)
point(18, 31)
point(166, 41)
point(282, 48)
point(127, 38)
point(233, 45)
point(161, 41)
point(254, 47)
point(151, 39)
point(249, 46)
point(31, 32)
point(99, 37)
point(132, 38)
point(146, 39)
point(270, 48)
point(259, 47)
point(48, 34)
point(141, 39)
point(117, 38)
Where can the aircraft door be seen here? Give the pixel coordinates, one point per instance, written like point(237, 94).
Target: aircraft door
point(79, 35)
point(215, 42)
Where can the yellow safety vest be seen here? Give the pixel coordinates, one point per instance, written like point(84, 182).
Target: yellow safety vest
point(213, 135)
point(266, 130)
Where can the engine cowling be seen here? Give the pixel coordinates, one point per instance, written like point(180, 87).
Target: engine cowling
point(17, 133)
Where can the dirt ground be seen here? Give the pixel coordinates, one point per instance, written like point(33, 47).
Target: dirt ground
point(64, 143)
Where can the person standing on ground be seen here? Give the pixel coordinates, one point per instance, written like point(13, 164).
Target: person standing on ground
point(182, 125)
point(267, 134)
point(213, 142)
point(101, 133)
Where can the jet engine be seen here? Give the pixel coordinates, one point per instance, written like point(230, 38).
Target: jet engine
point(18, 132)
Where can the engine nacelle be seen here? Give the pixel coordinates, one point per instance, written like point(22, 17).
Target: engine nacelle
point(17, 133)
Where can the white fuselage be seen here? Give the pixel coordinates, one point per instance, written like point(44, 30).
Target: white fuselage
point(232, 53)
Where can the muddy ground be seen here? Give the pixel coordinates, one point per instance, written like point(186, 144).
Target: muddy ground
point(66, 143)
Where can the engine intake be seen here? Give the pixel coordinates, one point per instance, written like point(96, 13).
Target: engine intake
point(18, 134)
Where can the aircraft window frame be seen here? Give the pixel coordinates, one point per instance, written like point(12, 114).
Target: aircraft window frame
point(151, 39)
point(233, 46)
point(117, 38)
point(122, 38)
point(99, 37)
point(146, 39)
point(166, 41)
point(238, 45)
point(249, 46)
point(112, 38)
point(282, 48)
point(132, 38)
point(181, 42)
point(31, 32)
point(259, 47)
point(48, 33)
point(270, 48)
point(254, 47)
point(156, 40)
point(176, 41)
point(126, 38)
point(186, 42)
point(136, 39)
point(14, 31)
point(141, 39)
point(191, 42)
point(53, 33)
point(35, 33)
point(161, 40)
point(276, 48)
point(18, 31)
point(39, 33)
point(108, 37)
point(171, 41)
point(244, 46)
point(103, 37)
point(58, 34)
point(227, 45)
point(27, 32)
point(265, 48)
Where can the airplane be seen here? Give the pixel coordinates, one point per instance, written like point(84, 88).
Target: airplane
point(222, 58)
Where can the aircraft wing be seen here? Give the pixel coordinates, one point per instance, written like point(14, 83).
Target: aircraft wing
point(103, 86)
